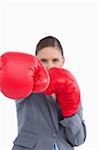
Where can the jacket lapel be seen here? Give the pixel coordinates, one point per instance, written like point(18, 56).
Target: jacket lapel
point(52, 105)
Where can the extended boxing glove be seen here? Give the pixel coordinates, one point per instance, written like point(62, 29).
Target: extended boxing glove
point(0, 73)
point(67, 91)
point(22, 74)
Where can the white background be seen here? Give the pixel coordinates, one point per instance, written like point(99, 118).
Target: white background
point(76, 24)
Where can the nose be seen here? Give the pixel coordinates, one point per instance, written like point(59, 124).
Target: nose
point(50, 65)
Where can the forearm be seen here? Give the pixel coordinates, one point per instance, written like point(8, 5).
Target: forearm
point(75, 129)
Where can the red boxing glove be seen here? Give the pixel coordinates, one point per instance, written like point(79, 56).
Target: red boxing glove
point(64, 85)
point(0, 74)
point(22, 74)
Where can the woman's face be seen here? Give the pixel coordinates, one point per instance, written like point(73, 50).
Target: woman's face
point(51, 57)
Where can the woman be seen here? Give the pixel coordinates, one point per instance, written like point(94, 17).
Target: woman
point(41, 125)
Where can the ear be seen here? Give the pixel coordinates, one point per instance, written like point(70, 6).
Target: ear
point(63, 61)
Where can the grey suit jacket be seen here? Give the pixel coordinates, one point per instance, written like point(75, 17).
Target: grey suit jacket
point(40, 125)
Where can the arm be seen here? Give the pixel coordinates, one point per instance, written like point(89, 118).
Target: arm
point(67, 92)
point(75, 129)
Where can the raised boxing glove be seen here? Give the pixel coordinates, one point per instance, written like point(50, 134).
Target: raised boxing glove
point(22, 74)
point(67, 91)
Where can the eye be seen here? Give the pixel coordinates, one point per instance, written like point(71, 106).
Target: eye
point(55, 60)
point(43, 60)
